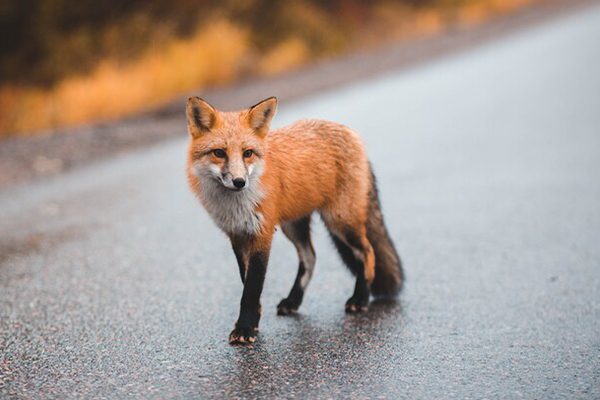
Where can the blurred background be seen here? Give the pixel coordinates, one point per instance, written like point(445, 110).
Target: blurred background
point(65, 63)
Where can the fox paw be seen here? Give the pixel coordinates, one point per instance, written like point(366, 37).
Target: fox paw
point(357, 305)
point(287, 307)
point(242, 335)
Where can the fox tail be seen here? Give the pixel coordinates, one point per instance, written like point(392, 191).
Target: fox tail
point(389, 275)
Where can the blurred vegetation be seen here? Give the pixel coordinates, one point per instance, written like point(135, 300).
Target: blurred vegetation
point(69, 62)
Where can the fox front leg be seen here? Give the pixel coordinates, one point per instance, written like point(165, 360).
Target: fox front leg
point(250, 309)
point(240, 249)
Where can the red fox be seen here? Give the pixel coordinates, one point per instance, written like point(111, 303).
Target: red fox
point(251, 179)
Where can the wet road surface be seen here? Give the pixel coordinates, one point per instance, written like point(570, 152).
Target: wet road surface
point(115, 284)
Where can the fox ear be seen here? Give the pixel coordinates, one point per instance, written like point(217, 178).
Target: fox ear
point(201, 116)
point(261, 114)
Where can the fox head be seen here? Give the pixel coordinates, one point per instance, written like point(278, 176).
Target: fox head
point(228, 147)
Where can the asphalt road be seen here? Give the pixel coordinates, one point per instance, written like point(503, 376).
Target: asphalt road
point(115, 284)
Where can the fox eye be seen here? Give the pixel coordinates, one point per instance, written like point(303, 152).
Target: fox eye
point(219, 153)
point(248, 153)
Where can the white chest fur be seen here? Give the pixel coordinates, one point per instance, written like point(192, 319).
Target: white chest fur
point(233, 212)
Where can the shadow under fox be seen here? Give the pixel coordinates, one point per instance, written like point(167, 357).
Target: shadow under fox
point(251, 179)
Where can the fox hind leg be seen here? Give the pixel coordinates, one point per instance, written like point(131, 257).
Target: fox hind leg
point(357, 253)
point(298, 232)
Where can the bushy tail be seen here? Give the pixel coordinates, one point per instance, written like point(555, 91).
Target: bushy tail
point(389, 276)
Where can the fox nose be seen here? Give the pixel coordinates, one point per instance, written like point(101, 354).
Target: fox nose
point(239, 183)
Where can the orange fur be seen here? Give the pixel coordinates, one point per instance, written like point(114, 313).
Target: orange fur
point(251, 179)
point(309, 165)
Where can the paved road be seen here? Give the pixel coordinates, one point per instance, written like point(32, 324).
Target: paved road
point(115, 284)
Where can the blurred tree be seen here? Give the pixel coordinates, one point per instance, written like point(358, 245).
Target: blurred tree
point(42, 41)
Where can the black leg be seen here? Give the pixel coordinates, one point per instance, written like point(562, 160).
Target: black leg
point(291, 303)
point(245, 327)
point(360, 298)
point(299, 234)
point(239, 252)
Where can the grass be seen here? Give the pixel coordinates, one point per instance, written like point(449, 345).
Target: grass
point(210, 56)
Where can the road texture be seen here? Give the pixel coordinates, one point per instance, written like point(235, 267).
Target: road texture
point(115, 284)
